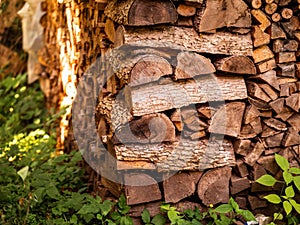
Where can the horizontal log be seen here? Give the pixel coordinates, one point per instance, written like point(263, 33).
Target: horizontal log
point(155, 97)
point(181, 155)
point(185, 38)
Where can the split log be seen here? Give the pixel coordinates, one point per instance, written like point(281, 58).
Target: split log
point(268, 131)
point(269, 163)
point(266, 66)
point(194, 135)
point(294, 121)
point(247, 132)
point(259, 104)
point(284, 2)
point(256, 92)
point(155, 98)
point(287, 70)
point(179, 186)
point(268, 77)
point(262, 53)
point(135, 165)
point(223, 13)
point(291, 25)
point(276, 124)
point(274, 141)
point(213, 186)
point(140, 188)
point(261, 18)
point(153, 208)
point(109, 29)
point(238, 184)
point(287, 89)
point(293, 102)
point(269, 91)
point(242, 147)
point(176, 119)
point(291, 138)
point(286, 13)
point(152, 128)
point(256, 126)
point(184, 22)
point(266, 113)
point(141, 12)
point(148, 69)
point(297, 67)
point(251, 114)
point(185, 38)
point(257, 172)
point(276, 32)
point(259, 37)
point(284, 57)
point(236, 65)
point(206, 111)
point(191, 119)
point(256, 203)
point(228, 119)
point(290, 46)
point(282, 111)
point(181, 155)
point(186, 10)
point(254, 155)
point(241, 168)
point(271, 8)
point(190, 64)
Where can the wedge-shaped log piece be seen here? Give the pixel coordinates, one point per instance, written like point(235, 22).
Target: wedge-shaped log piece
point(223, 13)
point(276, 32)
point(254, 155)
point(262, 18)
point(274, 140)
point(269, 91)
point(282, 111)
point(266, 66)
point(292, 137)
point(190, 64)
point(276, 124)
point(149, 69)
point(181, 155)
point(185, 38)
point(294, 121)
point(236, 65)
point(255, 91)
point(152, 128)
point(228, 119)
point(268, 77)
point(293, 101)
point(213, 186)
point(260, 38)
point(262, 53)
point(152, 98)
point(141, 12)
point(140, 188)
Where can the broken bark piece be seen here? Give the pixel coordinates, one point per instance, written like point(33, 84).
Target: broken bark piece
point(178, 187)
point(228, 119)
point(141, 12)
point(268, 77)
point(238, 184)
point(242, 147)
point(291, 138)
point(276, 124)
point(287, 69)
point(284, 57)
point(213, 186)
point(152, 128)
point(254, 155)
point(255, 91)
point(140, 188)
point(266, 66)
point(190, 64)
point(262, 53)
point(181, 155)
point(186, 10)
point(149, 69)
point(259, 37)
point(236, 65)
point(223, 13)
point(185, 38)
point(152, 98)
point(282, 111)
point(276, 32)
point(274, 141)
point(293, 102)
point(261, 17)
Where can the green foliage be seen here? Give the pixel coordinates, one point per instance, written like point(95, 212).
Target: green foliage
point(291, 182)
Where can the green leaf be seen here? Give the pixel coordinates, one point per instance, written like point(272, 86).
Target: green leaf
point(23, 172)
point(289, 191)
point(295, 170)
point(288, 178)
point(106, 207)
point(247, 215)
point(224, 208)
point(297, 182)
point(53, 193)
point(74, 219)
point(159, 220)
point(278, 216)
point(126, 220)
point(87, 209)
point(282, 162)
point(234, 205)
point(273, 198)
point(287, 207)
point(174, 216)
point(266, 180)
point(146, 216)
point(295, 205)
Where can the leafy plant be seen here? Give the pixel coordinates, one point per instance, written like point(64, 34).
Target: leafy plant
point(291, 182)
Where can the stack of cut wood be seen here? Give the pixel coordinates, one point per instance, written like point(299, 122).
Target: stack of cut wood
point(211, 90)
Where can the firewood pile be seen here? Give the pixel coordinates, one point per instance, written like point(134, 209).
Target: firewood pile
point(209, 95)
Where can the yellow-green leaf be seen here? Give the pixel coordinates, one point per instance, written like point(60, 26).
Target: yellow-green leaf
point(295, 205)
point(287, 207)
point(23, 172)
point(297, 182)
point(295, 170)
point(288, 178)
point(282, 162)
point(273, 198)
point(266, 180)
point(289, 191)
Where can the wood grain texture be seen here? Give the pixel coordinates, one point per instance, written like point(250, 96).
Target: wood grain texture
point(181, 155)
point(185, 38)
point(236, 65)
